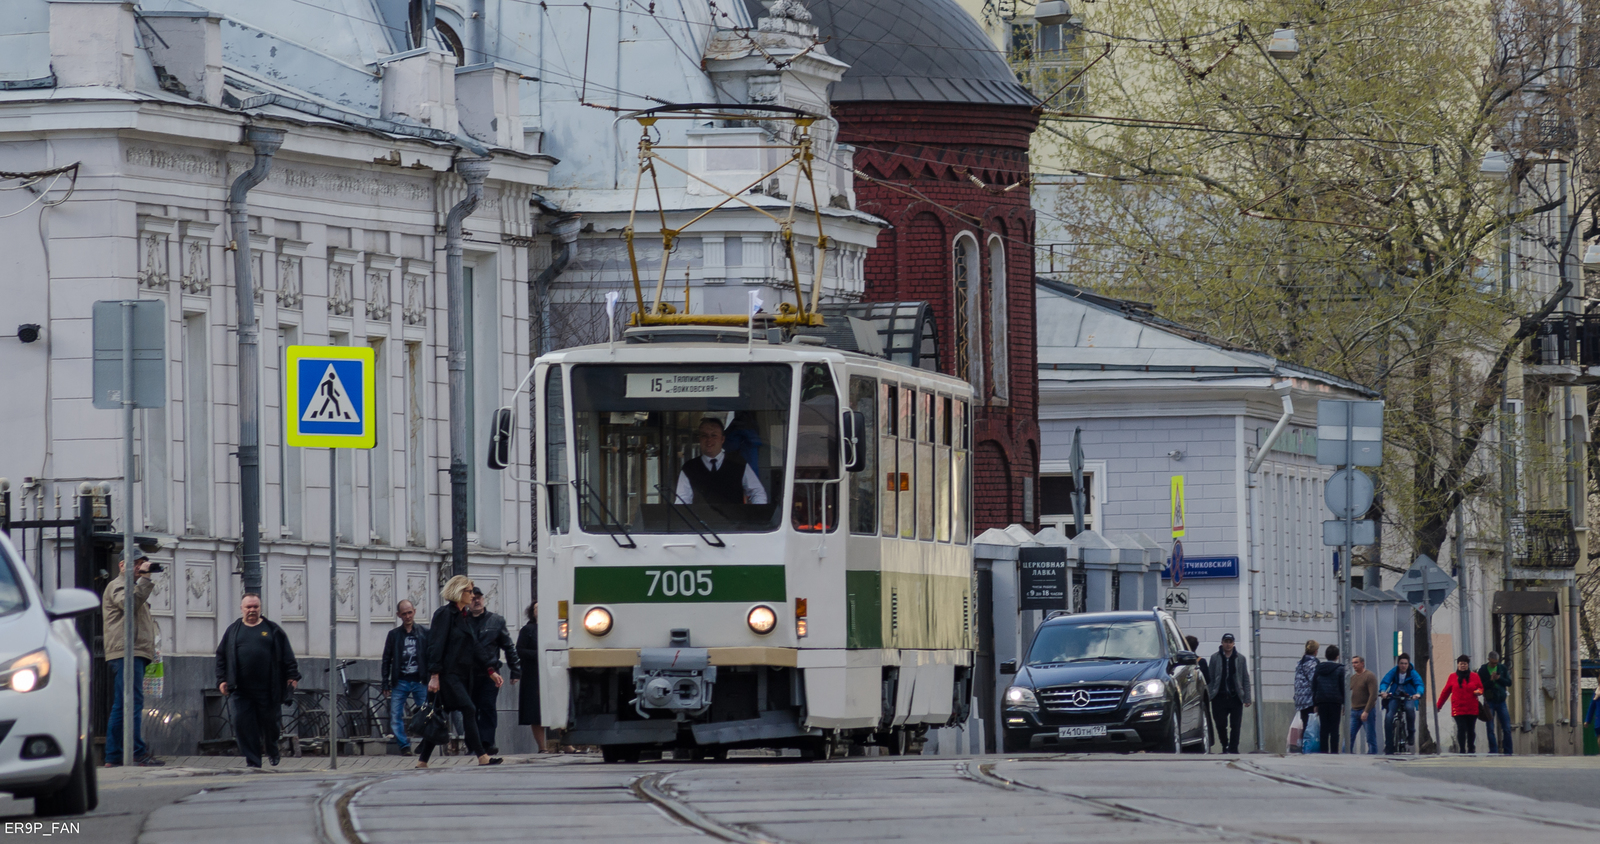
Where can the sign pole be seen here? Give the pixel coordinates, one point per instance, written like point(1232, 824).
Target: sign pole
point(129, 661)
point(333, 609)
point(1347, 567)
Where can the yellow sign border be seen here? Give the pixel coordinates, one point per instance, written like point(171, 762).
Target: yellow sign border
point(368, 438)
point(1180, 508)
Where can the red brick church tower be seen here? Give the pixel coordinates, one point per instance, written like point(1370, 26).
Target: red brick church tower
point(941, 129)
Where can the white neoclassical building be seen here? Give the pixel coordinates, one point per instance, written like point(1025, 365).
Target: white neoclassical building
point(149, 105)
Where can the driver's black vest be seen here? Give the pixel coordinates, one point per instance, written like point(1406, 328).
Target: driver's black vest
point(724, 486)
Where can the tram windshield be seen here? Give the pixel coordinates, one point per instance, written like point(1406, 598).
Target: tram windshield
point(680, 448)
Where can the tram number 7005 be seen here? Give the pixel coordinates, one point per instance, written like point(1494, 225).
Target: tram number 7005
point(679, 582)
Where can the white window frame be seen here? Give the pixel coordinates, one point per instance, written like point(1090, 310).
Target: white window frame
point(1096, 470)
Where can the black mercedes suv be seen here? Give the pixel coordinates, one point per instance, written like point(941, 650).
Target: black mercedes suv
point(1106, 681)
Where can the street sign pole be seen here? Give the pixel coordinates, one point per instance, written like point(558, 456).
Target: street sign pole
point(333, 609)
point(334, 390)
point(129, 661)
point(1345, 569)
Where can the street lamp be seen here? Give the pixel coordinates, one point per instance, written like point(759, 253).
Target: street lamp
point(1282, 44)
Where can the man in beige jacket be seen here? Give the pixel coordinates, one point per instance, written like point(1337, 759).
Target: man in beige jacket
point(144, 651)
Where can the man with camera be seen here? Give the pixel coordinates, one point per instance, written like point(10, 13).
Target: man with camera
point(113, 609)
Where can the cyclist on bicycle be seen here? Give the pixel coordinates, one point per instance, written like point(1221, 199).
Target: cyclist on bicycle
point(1402, 685)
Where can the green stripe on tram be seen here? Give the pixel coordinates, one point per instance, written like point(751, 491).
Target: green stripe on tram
point(677, 584)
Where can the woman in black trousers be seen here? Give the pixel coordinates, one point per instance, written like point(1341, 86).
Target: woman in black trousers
point(528, 695)
point(456, 656)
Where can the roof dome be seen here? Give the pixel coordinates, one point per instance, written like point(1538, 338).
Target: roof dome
point(912, 50)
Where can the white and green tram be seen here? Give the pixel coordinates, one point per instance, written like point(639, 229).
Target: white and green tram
point(821, 597)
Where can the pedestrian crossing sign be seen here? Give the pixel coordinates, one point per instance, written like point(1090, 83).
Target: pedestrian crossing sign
point(334, 389)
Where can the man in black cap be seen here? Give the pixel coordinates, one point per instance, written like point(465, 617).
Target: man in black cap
point(1230, 693)
point(494, 639)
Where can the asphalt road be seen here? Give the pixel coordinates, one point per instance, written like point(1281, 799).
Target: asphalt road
point(1124, 799)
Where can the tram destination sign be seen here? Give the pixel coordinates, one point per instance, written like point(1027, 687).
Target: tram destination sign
point(679, 385)
point(1042, 578)
point(677, 584)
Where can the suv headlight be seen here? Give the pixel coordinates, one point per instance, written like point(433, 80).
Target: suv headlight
point(1147, 689)
point(27, 672)
point(1021, 697)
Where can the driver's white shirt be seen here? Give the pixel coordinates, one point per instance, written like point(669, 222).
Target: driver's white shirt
point(753, 491)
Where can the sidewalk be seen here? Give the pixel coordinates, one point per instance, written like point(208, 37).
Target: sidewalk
point(198, 766)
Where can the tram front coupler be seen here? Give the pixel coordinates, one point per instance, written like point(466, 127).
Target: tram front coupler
point(675, 681)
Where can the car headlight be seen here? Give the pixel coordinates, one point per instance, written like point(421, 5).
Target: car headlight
point(27, 672)
point(597, 621)
point(1147, 689)
point(1021, 697)
point(762, 619)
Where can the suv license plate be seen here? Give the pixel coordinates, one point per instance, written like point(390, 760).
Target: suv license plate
point(1083, 732)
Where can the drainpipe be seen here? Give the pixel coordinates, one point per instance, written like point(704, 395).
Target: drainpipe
point(265, 142)
point(566, 231)
point(1284, 392)
point(473, 171)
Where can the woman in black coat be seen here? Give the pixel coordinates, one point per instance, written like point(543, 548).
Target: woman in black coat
point(455, 656)
point(528, 696)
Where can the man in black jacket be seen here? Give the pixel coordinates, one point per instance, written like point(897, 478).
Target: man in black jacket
point(405, 670)
point(256, 669)
point(495, 639)
point(1228, 687)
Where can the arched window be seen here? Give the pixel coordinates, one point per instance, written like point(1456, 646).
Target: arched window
point(999, 373)
point(966, 312)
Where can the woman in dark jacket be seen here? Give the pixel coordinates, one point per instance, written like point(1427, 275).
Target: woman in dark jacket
point(1327, 693)
point(528, 696)
point(455, 656)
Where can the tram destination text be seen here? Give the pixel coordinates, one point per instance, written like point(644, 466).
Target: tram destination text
point(652, 385)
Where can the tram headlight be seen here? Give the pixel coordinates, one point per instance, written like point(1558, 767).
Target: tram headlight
point(597, 621)
point(762, 619)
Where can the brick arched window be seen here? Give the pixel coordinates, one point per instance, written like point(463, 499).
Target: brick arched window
point(966, 311)
point(1000, 360)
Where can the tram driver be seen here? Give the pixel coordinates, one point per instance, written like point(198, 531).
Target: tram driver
point(717, 476)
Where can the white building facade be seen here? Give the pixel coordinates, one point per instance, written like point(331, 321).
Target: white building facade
point(1155, 401)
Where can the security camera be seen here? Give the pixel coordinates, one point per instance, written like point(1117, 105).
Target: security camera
point(1175, 454)
point(28, 332)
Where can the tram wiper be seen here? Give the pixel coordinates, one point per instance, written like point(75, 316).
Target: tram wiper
point(610, 522)
point(683, 511)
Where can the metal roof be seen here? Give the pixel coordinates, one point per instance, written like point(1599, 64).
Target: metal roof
point(911, 50)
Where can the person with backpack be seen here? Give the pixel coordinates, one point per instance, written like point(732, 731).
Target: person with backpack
point(1463, 689)
point(1327, 693)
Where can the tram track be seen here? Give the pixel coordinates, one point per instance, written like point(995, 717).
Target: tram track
point(653, 789)
point(984, 774)
point(1253, 769)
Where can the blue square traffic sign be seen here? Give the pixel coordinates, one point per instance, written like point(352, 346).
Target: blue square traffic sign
point(334, 391)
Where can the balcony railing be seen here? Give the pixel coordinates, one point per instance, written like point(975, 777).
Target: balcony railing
point(1544, 539)
point(1567, 339)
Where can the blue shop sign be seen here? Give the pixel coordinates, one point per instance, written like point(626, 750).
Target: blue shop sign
point(1205, 568)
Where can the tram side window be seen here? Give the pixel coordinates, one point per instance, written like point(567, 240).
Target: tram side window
point(906, 429)
point(925, 484)
point(816, 502)
point(958, 474)
point(941, 468)
point(888, 418)
point(555, 451)
point(864, 484)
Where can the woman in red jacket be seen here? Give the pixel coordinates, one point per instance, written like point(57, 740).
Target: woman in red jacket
point(1465, 693)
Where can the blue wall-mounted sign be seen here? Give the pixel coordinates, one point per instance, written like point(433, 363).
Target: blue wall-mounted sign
point(1205, 568)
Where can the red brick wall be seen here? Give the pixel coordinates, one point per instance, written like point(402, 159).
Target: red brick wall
point(921, 160)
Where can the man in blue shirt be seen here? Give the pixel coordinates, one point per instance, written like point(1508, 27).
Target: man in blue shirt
point(1401, 686)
